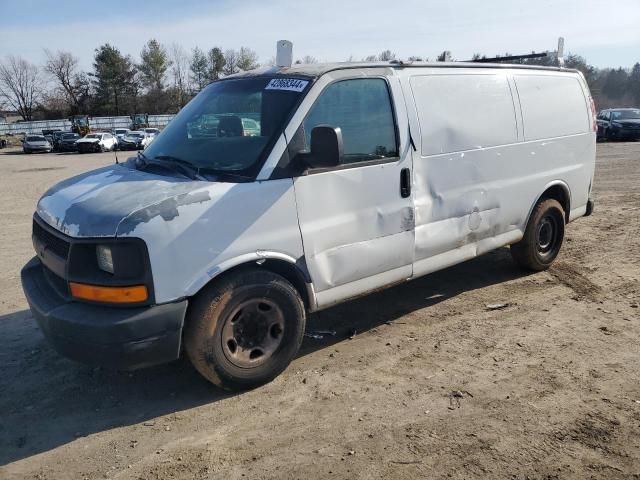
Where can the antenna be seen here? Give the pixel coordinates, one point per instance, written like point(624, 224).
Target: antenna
point(284, 53)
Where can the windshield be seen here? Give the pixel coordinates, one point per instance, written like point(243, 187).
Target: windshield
point(135, 135)
point(120, 132)
point(92, 135)
point(68, 136)
point(36, 139)
point(212, 131)
point(625, 115)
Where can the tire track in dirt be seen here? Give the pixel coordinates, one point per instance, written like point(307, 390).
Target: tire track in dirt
point(572, 277)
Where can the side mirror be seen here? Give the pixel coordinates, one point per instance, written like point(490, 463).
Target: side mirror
point(326, 147)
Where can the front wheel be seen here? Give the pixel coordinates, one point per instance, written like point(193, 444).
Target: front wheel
point(245, 329)
point(542, 238)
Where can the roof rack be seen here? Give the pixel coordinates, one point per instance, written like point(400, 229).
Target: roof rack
point(509, 58)
point(559, 54)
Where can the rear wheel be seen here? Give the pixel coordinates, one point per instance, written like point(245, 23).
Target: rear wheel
point(245, 329)
point(542, 238)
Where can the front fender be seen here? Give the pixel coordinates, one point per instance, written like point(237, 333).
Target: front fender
point(216, 269)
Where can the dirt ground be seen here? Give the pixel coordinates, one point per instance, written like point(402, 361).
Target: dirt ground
point(434, 384)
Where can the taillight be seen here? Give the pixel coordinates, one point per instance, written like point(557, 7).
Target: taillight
point(593, 114)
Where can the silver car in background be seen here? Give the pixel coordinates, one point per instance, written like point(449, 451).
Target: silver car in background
point(36, 143)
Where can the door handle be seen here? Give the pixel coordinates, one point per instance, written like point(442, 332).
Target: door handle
point(405, 182)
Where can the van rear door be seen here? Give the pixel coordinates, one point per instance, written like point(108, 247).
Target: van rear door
point(356, 220)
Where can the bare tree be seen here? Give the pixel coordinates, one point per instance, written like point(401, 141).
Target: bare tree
point(180, 64)
point(306, 60)
point(230, 62)
point(20, 85)
point(63, 67)
point(386, 56)
point(247, 59)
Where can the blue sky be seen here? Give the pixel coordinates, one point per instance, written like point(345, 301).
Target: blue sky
point(606, 33)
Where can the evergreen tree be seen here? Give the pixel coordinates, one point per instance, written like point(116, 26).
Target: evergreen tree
point(154, 65)
point(199, 67)
point(114, 80)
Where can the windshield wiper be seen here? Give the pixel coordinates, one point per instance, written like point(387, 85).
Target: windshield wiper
point(200, 170)
point(181, 166)
point(186, 167)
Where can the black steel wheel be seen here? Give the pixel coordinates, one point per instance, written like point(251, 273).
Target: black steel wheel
point(244, 329)
point(542, 238)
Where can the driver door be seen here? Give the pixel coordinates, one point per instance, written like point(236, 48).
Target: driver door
point(356, 219)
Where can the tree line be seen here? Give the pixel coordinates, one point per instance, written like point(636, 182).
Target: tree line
point(164, 78)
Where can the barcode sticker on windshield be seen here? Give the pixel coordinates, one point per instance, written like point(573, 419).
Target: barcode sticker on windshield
point(290, 84)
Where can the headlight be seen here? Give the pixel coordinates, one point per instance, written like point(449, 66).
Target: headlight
point(105, 259)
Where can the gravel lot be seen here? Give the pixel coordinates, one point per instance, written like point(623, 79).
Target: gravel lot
point(434, 384)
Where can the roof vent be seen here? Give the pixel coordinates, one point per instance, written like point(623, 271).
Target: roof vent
point(284, 53)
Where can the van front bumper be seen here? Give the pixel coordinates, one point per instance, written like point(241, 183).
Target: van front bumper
point(115, 337)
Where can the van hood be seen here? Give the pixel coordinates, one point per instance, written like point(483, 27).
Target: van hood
point(113, 200)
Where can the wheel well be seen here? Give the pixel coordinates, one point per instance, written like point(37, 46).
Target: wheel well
point(290, 272)
point(559, 193)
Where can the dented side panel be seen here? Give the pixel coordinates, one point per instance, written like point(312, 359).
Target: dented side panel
point(474, 186)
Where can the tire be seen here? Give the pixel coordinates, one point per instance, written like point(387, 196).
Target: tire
point(245, 329)
point(542, 238)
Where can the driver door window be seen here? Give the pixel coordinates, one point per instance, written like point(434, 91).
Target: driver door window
point(361, 108)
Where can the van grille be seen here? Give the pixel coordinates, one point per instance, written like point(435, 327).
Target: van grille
point(57, 245)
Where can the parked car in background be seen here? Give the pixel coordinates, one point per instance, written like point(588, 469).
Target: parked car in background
point(36, 143)
point(152, 131)
point(120, 133)
point(619, 124)
point(56, 138)
point(138, 140)
point(96, 142)
point(67, 142)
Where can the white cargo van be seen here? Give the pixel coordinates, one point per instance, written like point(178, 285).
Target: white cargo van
point(216, 240)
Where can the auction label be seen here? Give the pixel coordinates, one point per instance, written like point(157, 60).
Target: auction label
point(290, 84)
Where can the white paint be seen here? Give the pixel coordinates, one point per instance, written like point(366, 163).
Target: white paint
point(464, 112)
point(464, 199)
point(210, 237)
point(552, 106)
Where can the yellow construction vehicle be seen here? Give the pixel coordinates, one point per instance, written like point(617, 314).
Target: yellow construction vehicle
point(80, 124)
point(139, 121)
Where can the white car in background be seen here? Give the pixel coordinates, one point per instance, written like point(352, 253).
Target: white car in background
point(120, 133)
point(97, 142)
point(152, 131)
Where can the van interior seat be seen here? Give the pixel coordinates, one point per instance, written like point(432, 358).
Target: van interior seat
point(230, 126)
